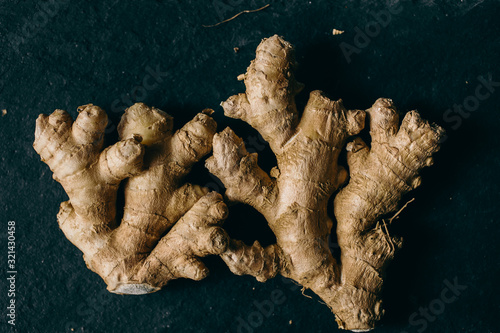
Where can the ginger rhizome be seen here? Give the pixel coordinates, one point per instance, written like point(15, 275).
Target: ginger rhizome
point(167, 225)
point(293, 198)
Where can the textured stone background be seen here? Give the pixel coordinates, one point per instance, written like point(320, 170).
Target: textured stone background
point(62, 54)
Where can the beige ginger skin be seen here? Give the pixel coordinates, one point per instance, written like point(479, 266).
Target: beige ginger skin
point(294, 197)
point(134, 256)
point(168, 225)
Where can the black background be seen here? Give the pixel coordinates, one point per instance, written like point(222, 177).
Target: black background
point(428, 57)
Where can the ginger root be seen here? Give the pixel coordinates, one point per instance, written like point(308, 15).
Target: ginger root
point(168, 225)
point(294, 197)
point(134, 256)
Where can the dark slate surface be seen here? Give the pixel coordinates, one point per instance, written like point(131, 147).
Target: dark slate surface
point(62, 54)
